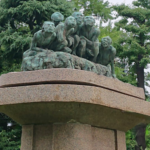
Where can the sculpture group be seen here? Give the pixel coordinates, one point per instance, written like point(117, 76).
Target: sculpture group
point(77, 36)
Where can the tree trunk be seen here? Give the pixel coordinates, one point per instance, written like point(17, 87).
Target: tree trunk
point(140, 129)
point(140, 137)
point(31, 26)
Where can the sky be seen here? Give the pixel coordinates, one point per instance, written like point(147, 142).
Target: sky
point(128, 2)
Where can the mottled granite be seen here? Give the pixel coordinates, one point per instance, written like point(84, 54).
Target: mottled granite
point(120, 140)
point(62, 102)
point(69, 136)
point(70, 76)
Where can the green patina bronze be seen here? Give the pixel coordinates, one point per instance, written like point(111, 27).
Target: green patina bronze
point(89, 45)
point(57, 17)
point(74, 39)
point(45, 37)
point(70, 44)
point(63, 31)
point(107, 54)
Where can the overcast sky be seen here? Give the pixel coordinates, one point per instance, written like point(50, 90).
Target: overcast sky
point(120, 1)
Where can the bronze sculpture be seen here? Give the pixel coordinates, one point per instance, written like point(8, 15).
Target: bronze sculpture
point(56, 44)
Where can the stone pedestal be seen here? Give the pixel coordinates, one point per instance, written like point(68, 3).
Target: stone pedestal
point(71, 136)
point(67, 109)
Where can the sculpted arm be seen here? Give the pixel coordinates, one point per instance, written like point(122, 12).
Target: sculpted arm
point(53, 36)
point(33, 43)
point(59, 32)
point(69, 32)
point(96, 33)
point(88, 41)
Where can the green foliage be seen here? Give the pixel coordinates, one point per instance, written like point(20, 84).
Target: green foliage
point(125, 77)
point(135, 45)
point(19, 20)
point(114, 34)
point(148, 137)
point(10, 139)
point(97, 8)
point(130, 140)
point(31, 12)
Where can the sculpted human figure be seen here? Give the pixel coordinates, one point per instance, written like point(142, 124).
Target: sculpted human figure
point(57, 17)
point(89, 45)
point(44, 38)
point(107, 54)
point(79, 19)
point(63, 31)
point(74, 39)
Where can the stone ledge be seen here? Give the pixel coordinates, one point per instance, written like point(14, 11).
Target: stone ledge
point(72, 76)
point(37, 104)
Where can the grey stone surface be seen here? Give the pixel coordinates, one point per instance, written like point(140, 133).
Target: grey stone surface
point(27, 138)
point(50, 103)
point(120, 140)
point(69, 76)
point(69, 136)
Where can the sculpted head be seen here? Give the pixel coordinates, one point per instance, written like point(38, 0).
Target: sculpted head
point(70, 22)
point(79, 17)
point(89, 21)
point(48, 26)
point(57, 17)
point(106, 41)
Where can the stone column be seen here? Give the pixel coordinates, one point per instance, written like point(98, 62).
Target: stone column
point(71, 136)
point(66, 109)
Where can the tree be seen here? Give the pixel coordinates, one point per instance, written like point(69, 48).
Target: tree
point(136, 23)
point(98, 8)
point(19, 20)
point(10, 134)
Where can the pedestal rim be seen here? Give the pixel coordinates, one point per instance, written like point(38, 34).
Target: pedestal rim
point(68, 76)
point(102, 103)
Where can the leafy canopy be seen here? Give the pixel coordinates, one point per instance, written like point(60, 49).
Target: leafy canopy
point(97, 8)
point(19, 20)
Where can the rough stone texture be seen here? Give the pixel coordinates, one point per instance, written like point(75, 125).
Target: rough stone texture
point(62, 102)
point(70, 136)
point(120, 140)
point(79, 102)
point(46, 59)
point(27, 138)
point(42, 137)
point(103, 139)
point(70, 76)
